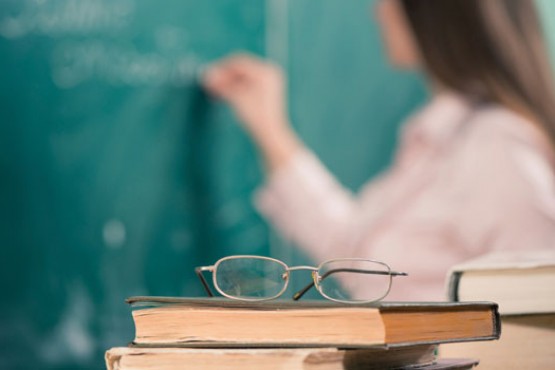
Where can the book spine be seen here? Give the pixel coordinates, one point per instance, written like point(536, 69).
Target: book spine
point(453, 288)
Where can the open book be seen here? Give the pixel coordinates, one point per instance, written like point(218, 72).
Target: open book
point(163, 322)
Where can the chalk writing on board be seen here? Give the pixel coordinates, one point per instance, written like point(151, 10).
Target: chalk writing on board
point(75, 63)
point(81, 52)
point(55, 17)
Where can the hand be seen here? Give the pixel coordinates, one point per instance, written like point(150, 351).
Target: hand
point(255, 89)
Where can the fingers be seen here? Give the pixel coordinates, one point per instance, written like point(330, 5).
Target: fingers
point(245, 63)
point(231, 75)
point(220, 81)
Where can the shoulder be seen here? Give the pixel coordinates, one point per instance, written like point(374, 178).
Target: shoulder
point(510, 151)
point(498, 125)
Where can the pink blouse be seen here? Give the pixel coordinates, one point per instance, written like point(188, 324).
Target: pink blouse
point(466, 180)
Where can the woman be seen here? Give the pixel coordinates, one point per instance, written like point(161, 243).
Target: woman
point(474, 171)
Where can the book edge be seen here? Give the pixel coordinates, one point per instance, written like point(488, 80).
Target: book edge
point(509, 261)
point(155, 301)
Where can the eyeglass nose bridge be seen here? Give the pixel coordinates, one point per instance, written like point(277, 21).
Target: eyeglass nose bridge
point(296, 268)
point(287, 274)
point(316, 278)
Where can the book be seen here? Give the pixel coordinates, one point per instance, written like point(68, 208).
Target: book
point(215, 322)
point(520, 282)
point(527, 342)
point(290, 358)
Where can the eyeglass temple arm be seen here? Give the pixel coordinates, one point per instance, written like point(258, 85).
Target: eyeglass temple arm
point(198, 271)
point(303, 291)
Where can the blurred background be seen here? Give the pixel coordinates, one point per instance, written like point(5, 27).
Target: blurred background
point(118, 175)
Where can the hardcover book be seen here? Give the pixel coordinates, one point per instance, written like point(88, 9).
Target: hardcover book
point(520, 282)
point(166, 321)
point(267, 359)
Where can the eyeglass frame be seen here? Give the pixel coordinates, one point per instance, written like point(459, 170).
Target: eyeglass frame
point(316, 278)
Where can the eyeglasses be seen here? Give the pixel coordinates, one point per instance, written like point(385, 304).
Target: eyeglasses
point(256, 278)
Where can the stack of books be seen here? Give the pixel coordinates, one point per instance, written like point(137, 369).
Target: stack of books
point(522, 283)
point(186, 333)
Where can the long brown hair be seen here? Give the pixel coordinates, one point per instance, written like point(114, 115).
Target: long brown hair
point(489, 50)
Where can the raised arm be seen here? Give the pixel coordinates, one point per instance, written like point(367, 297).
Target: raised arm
point(255, 89)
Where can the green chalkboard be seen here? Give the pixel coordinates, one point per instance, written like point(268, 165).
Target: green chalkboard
point(118, 175)
point(546, 9)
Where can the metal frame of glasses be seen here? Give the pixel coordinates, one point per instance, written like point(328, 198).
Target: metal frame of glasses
point(258, 278)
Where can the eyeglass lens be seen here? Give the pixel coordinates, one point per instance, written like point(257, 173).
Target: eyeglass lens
point(251, 278)
point(368, 279)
